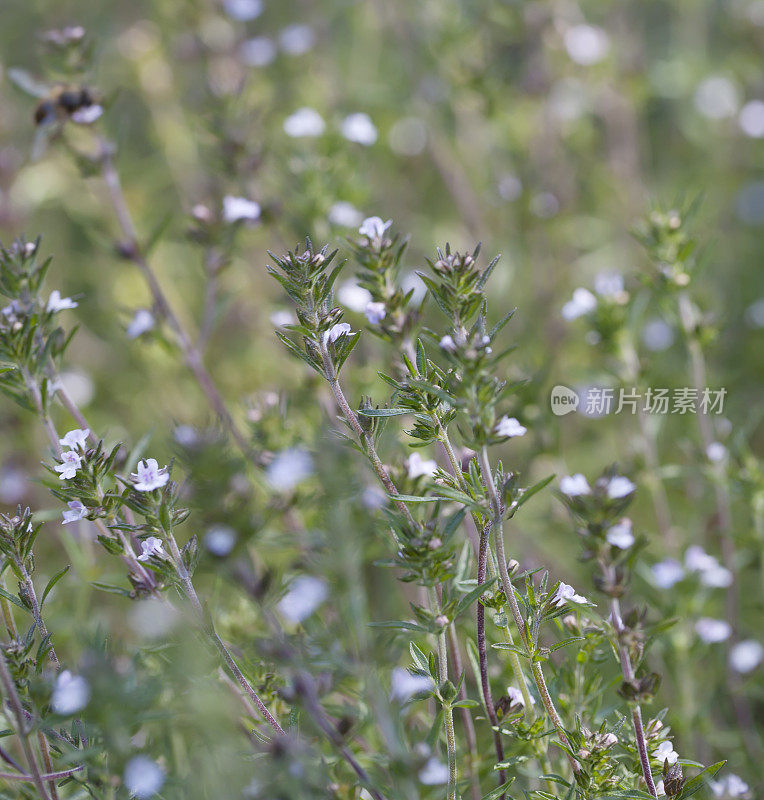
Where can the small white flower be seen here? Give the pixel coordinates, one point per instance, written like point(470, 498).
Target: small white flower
point(411, 282)
point(660, 789)
point(566, 593)
point(657, 335)
point(751, 119)
point(448, 344)
point(87, 115)
point(745, 656)
point(70, 463)
point(609, 284)
point(666, 573)
point(696, 559)
point(142, 322)
point(243, 10)
point(236, 209)
point(665, 752)
point(305, 594)
point(353, 296)
point(185, 435)
point(297, 39)
point(717, 577)
point(730, 786)
point(76, 512)
point(219, 540)
point(149, 476)
point(70, 693)
point(510, 427)
point(433, 773)
point(716, 452)
point(619, 487)
point(334, 333)
point(304, 122)
point(404, 685)
point(288, 468)
point(574, 485)
point(57, 303)
point(152, 546)
point(712, 631)
point(375, 313)
point(586, 44)
point(78, 437)
point(374, 228)
point(359, 128)
point(717, 97)
point(583, 302)
point(609, 739)
point(143, 777)
point(516, 697)
point(620, 535)
point(418, 467)
point(345, 214)
point(258, 51)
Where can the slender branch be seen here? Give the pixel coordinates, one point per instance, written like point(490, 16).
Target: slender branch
point(448, 712)
point(47, 776)
point(31, 595)
point(47, 762)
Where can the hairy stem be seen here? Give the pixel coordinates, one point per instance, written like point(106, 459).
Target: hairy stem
point(31, 595)
point(448, 713)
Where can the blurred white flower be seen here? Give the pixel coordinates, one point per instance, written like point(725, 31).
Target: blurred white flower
point(78, 437)
point(295, 40)
point(304, 122)
point(411, 282)
point(418, 467)
point(151, 546)
point(516, 697)
point(70, 463)
point(574, 485)
point(729, 787)
point(87, 115)
point(305, 594)
point(583, 302)
point(510, 427)
point(345, 214)
point(13, 485)
point(373, 498)
point(696, 559)
point(334, 333)
point(712, 631)
point(716, 452)
point(510, 187)
point(717, 577)
point(620, 535)
point(375, 313)
point(152, 618)
point(149, 476)
point(374, 228)
point(353, 296)
point(751, 119)
point(754, 314)
point(243, 10)
point(586, 44)
point(289, 468)
point(78, 385)
point(433, 773)
point(359, 128)
point(282, 317)
point(143, 777)
point(717, 97)
point(404, 684)
point(745, 656)
point(660, 789)
point(544, 205)
point(236, 209)
point(619, 487)
point(76, 512)
point(258, 51)
point(566, 593)
point(70, 693)
point(185, 435)
point(219, 540)
point(665, 752)
point(609, 284)
point(142, 322)
point(666, 573)
point(448, 344)
point(657, 335)
point(57, 303)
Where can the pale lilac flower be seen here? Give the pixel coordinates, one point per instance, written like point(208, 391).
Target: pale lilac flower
point(696, 559)
point(666, 573)
point(729, 787)
point(433, 773)
point(583, 302)
point(745, 656)
point(418, 467)
point(288, 468)
point(566, 593)
point(359, 128)
point(716, 452)
point(586, 44)
point(609, 284)
point(143, 777)
point(574, 485)
point(142, 322)
point(70, 693)
point(608, 740)
point(87, 115)
point(152, 546)
point(78, 437)
point(304, 122)
point(71, 461)
point(305, 594)
point(657, 335)
point(448, 344)
point(510, 427)
point(374, 228)
point(76, 512)
point(185, 435)
point(620, 535)
point(236, 209)
point(295, 40)
point(219, 540)
point(665, 752)
point(373, 498)
point(353, 296)
point(258, 51)
point(334, 333)
point(717, 577)
point(516, 697)
point(57, 303)
point(243, 10)
point(619, 487)
point(404, 685)
point(345, 214)
point(149, 476)
point(751, 119)
point(712, 631)
point(375, 313)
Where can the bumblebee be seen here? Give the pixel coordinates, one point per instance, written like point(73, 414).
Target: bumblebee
point(61, 103)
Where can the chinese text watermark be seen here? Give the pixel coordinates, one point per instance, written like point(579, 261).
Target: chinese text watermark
point(597, 401)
